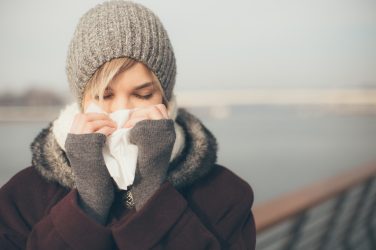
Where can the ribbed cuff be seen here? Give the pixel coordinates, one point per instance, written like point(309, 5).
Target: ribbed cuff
point(84, 145)
point(149, 132)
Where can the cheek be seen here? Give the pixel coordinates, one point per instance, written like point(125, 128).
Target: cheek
point(158, 97)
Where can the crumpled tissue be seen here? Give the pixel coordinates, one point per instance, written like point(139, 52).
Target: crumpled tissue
point(119, 154)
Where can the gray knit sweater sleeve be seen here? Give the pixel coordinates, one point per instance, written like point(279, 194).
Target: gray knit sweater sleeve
point(93, 181)
point(155, 140)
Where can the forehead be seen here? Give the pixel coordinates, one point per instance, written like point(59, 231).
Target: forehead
point(136, 75)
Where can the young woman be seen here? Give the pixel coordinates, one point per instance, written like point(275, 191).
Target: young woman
point(120, 57)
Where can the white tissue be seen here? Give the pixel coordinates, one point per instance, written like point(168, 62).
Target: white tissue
point(119, 154)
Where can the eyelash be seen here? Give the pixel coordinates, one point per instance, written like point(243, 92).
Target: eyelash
point(144, 97)
point(138, 96)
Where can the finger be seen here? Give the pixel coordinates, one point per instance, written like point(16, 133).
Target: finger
point(78, 124)
point(90, 116)
point(133, 121)
point(150, 112)
point(154, 113)
point(163, 110)
point(97, 124)
point(80, 120)
point(138, 112)
point(105, 130)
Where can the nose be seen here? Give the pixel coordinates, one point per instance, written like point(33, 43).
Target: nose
point(121, 102)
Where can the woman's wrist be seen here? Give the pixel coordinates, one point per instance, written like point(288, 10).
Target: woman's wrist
point(143, 190)
point(93, 181)
point(155, 140)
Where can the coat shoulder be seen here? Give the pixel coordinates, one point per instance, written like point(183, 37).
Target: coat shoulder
point(26, 180)
point(29, 193)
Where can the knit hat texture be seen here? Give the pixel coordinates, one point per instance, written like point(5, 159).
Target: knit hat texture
point(116, 29)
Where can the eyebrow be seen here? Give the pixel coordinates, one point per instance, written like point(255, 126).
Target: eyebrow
point(141, 86)
point(144, 85)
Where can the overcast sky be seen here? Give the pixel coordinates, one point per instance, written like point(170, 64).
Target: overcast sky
point(218, 44)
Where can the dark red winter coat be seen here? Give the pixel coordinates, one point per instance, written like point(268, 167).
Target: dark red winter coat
point(201, 205)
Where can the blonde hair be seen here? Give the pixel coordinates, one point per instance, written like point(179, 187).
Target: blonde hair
point(106, 73)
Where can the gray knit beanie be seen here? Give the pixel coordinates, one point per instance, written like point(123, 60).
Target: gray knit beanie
point(116, 29)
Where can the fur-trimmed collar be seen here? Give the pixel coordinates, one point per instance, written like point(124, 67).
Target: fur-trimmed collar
point(195, 160)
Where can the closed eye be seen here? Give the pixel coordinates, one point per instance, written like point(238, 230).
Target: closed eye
point(104, 97)
point(144, 97)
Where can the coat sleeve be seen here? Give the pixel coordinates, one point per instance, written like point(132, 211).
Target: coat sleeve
point(65, 226)
point(168, 222)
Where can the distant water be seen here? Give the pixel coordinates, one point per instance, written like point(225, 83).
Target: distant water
point(276, 149)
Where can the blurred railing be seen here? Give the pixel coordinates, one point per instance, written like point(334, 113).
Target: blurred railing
point(337, 213)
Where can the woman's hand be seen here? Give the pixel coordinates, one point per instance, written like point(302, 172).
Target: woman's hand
point(154, 112)
point(83, 147)
point(84, 123)
point(154, 134)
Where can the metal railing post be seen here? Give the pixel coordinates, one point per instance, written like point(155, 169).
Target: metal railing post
point(296, 231)
point(332, 222)
point(355, 214)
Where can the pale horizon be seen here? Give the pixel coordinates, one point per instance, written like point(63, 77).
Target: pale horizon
point(218, 44)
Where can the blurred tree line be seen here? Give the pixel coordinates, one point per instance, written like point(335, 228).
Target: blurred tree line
point(32, 96)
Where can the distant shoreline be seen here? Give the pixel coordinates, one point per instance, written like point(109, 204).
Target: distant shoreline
point(219, 102)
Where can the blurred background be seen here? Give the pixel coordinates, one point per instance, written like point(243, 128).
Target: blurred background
point(287, 87)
